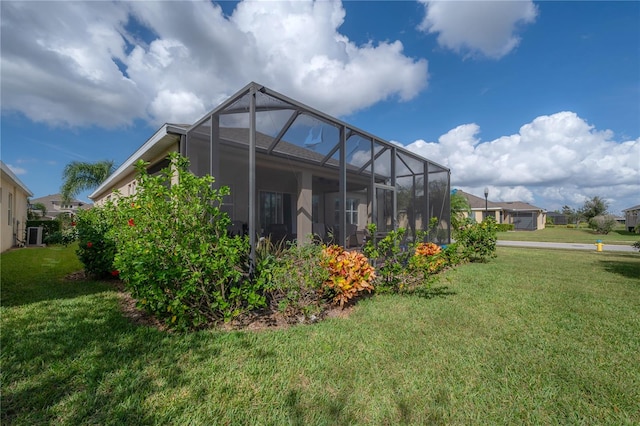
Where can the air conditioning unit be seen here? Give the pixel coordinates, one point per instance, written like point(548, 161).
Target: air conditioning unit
point(34, 236)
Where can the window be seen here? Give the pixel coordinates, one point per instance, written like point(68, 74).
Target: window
point(275, 207)
point(10, 209)
point(351, 211)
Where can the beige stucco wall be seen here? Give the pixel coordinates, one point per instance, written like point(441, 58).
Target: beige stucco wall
point(126, 185)
point(9, 226)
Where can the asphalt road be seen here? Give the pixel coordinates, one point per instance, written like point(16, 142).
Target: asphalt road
point(566, 246)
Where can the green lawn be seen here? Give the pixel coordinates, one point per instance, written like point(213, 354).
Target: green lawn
point(533, 337)
point(571, 235)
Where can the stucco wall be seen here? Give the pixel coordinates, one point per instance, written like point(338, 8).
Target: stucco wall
point(19, 205)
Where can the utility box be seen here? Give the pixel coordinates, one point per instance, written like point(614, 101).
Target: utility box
point(34, 236)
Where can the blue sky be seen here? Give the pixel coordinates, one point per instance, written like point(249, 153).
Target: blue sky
point(539, 101)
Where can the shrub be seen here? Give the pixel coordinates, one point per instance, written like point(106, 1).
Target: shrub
point(504, 227)
point(349, 273)
point(636, 245)
point(390, 257)
point(96, 247)
point(602, 224)
point(174, 253)
point(48, 226)
point(64, 237)
point(293, 277)
point(478, 240)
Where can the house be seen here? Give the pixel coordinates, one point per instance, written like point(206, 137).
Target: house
point(558, 218)
point(13, 208)
point(523, 216)
point(55, 205)
point(631, 216)
point(294, 171)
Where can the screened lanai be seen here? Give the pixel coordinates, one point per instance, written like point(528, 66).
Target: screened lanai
point(294, 171)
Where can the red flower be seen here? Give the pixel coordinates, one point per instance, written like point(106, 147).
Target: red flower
point(73, 224)
point(131, 222)
point(115, 272)
point(89, 244)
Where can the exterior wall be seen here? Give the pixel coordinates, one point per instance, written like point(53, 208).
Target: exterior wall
point(478, 215)
point(631, 219)
point(12, 223)
point(127, 184)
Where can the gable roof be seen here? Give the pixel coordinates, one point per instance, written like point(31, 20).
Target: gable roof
point(6, 170)
point(477, 203)
point(632, 208)
point(48, 199)
point(518, 206)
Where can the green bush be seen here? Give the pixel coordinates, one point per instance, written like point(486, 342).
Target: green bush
point(602, 224)
point(504, 227)
point(49, 227)
point(389, 256)
point(174, 253)
point(96, 247)
point(477, 241)
point(292, 276)
point(64, 237)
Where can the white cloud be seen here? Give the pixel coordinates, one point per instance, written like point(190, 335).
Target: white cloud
point(85, 63)
point(554, 160)
point(17, 170)
point(477, 27)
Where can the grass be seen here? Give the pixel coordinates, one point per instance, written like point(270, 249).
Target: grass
point(571, 235)
point(555, 342)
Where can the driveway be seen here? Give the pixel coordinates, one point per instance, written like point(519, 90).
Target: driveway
point(566, 246)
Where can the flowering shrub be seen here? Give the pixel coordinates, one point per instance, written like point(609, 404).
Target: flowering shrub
point(96, 248)
point(349, 273)
point(174, 253)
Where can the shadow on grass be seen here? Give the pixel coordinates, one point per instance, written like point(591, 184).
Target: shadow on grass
point(433, 292)
point(82, 362)
point(15, 294)
point(627, 268)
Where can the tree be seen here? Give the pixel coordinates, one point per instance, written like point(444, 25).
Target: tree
point(603, 224)
point(460, 209)
point(596, 206)
point(36, 211)
point(572, 214)
point(80, 176)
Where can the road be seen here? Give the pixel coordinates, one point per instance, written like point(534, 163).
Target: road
point(566, 246)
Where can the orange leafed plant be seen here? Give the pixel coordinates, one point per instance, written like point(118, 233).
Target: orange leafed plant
point(427, 249)
point(349, 273)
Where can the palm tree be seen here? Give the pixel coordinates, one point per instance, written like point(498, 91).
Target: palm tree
point(79, 176)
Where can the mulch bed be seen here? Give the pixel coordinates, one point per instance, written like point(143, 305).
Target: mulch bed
point(267, 319)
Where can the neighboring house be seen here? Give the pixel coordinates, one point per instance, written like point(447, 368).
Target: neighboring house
point(13, 208)
point(294, 171)
point(558, 218)
point(523, 216)
point(631, 217)
point(55, 205)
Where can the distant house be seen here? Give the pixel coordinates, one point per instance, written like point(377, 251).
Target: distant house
point(13, 208)
point(631, 217)
point(55, 206)
point(523, 216)
point(558, 218)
